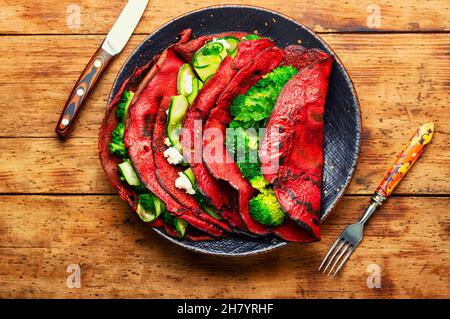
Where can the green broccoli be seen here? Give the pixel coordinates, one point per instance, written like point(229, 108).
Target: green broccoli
point(251, 36)
point(122, 109)
point(252, 110)
point(117, 147)
point(147, 202)
point(168, 219)
point(265, 209)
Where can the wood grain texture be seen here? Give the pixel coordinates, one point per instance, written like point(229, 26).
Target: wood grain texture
point(120, 257)
point(49, 16)
point(402, 79)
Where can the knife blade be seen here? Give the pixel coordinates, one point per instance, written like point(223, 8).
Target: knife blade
point(111, 46)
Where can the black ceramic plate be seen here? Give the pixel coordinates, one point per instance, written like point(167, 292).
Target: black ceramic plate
point(342, 115)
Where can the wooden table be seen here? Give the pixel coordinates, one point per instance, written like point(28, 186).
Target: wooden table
point(58, 209)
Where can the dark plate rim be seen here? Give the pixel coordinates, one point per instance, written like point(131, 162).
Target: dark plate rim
point(349, 81)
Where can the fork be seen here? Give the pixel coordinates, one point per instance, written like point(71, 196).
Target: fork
point(353, 234)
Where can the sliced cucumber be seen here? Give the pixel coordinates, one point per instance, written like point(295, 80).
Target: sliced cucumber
point(207, 66)
point(129, 173)
point(180, 226)
point(160, 207)
point(231, 44)
point(190, 175)
point(211, 48)
point(186, 77)
point(177, 110)
point(210, 211)
point(149, 207)
point(200, 197)
point(208, 58)
point(196, 87)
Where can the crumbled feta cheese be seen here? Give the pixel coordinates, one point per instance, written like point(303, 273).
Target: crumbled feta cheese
point(183, 182)
point(167, 142)
point(173, 156)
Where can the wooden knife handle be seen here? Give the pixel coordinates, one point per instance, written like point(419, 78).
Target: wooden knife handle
point(81, 90)
point(406, 159)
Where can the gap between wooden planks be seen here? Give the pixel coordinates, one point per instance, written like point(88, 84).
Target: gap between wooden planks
point(120, 256)
point(91, 16)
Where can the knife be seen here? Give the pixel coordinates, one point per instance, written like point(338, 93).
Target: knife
point(112, 45)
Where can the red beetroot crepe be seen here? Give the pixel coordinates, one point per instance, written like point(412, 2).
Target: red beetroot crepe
point(219, 117)
point(220, 194)
point(139, 132)
point(224, 167)
point(297, 120)
point(109, 162)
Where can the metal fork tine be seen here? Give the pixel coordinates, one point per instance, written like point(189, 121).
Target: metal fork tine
point(330, 251)
point(344, 260)
point(339, 257)
point(334, 255)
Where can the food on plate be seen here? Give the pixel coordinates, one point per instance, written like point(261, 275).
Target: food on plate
point(221, 135)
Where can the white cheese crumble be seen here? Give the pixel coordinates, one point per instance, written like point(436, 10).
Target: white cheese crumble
point(183, 182)
point(167, 142)
point(173, 156)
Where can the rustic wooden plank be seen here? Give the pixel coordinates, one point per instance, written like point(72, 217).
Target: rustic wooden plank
point(51, 166)
point(402, 81)
point(48, 165)
point(120, 257)
point(50, 16)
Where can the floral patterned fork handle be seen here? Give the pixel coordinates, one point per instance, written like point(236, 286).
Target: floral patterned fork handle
point(406, 159)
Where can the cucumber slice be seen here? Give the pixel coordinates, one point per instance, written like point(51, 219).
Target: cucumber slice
point(210, 49)
point(230, 44)
point(190, 175)
point(180, 226)
point(196, 87)
point(160, 207)
point(186, 77)
point(149, 207)
point(177, 110)
point(200, 198)
point(129, 173)
point(207, 66)
point(210, 211)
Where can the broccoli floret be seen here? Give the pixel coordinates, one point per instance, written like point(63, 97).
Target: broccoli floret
point(121, 111)
point(212, 49)
point(168, 219)
point(117, 147)
point(260, 183)
point(253, 108)
point(251, 37)
point(265, 209)
point(147, 202)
